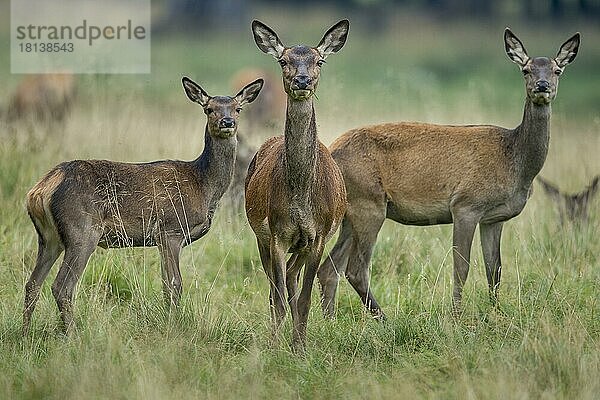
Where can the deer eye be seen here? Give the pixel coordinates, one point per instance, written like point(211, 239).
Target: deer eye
point(557, 72)
point(526, 71)
point(239, 109)
point(320, 63)
point(209, 111)
point(282, 62)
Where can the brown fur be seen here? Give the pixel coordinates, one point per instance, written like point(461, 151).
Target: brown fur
point(266, 112)
point(270, 106)
point(38, 202)
point(386, 152)
point(295, 194)
point(424, 174)
point(265, 185)
point(43, 97)
point(82, 204)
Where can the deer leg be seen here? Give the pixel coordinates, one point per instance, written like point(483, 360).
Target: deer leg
point(358, 275)
point(365, 229)
point(331, 269)
point(463, 231)
point(48, 252)
point(169, 248)
point(76, 257)
point(278, 284)
point(294, 265)
point(490, 244)
point(265, 259)
point(310, 271)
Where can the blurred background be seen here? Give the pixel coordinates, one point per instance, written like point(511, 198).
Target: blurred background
point(439, 61)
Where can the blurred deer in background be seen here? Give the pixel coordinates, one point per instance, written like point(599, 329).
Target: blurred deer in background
point(82, 204)
point(265, 114)
point(424, 174)
point(572, 208)
point(295, 196)
point(269, 108)
point(45, 98)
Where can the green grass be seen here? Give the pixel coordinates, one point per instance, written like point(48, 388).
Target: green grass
point(543, 341)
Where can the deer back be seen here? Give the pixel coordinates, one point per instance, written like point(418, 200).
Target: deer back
point(131, 202)
point(417, 163)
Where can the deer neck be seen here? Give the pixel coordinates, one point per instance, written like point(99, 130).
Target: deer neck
point(215, 165)
point(531, 140)
point(300, 149)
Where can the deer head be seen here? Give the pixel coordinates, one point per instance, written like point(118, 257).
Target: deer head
point(573, 208)
point(222, 112)
point(300, 65)
point(541, 73)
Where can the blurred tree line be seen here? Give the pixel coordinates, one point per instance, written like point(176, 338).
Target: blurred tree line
point(231, 14)
point(531, 9)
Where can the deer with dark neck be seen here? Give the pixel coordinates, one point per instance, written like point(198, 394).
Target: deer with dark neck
point(82, 204)
point(295, 196)
point(425, 174)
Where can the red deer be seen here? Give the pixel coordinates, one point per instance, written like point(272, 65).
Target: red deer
point(82, 204)
point(424, 174)
point(572, 208)
point(44, 97)
point(270, 107)
point(295, 196)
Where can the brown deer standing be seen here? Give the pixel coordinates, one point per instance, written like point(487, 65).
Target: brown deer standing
point(82, 204)
point(295, 196)
point(44, 97)
point(424, 174)
point(572, 208)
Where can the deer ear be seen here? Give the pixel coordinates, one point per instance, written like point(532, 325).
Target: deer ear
point(266, 39)
point(249, 93)
point(567, 52)
point(551, 190)
point(194, 92)
point(334, 39)
point(593, 187)
point(515, 49)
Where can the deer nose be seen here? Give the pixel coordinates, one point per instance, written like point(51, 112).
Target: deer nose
point(542, 86)
point(301, 82)
point(226, 122)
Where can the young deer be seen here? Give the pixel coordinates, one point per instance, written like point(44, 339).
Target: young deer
point(424, 174)
point(82, 204)
point(295, 196)
point(572, 208)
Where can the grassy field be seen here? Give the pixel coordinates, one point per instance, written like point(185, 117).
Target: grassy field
point(543, 342)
